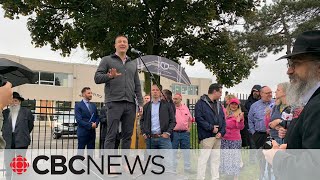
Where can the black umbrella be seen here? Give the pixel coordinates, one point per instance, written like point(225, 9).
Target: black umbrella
point(164, 67)
point(15, 73)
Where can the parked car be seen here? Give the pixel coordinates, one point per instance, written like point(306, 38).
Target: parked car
point(64, 125)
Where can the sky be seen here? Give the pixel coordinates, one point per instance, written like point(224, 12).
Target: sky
point(15, 40)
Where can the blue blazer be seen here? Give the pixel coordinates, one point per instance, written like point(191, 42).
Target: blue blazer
point(83, 115)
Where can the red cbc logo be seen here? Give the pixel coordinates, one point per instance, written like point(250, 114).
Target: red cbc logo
point(19, 164)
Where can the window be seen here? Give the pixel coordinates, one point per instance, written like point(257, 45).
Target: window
point(61, 79)
point(30, 104)
point(184, 89)
point(54, 79)
point(63, 106)
point(46, 78)
point(36, 78)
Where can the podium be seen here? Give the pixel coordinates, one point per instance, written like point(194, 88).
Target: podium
point(137, 140)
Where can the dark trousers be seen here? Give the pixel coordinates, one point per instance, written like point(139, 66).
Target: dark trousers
point(259, 139)
point(86, 141)
point(124, 112)
point(9, 154)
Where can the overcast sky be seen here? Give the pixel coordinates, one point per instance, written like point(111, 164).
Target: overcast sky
point(15, 40)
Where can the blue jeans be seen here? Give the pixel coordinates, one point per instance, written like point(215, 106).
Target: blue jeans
point(182, 140)
point(161, 143)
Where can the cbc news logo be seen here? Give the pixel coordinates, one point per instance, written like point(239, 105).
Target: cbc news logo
point(19, 164)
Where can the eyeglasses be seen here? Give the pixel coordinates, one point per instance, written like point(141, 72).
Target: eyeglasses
point(296, 63)
point(293, 64)
point(268, 92)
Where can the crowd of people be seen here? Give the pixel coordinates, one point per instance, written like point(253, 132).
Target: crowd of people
point(291, 119)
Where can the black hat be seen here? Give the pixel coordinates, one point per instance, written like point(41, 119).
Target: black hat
point(17, 96)
point(307, 42)
point(256, 87)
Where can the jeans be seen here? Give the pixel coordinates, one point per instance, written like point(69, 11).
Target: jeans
point(182, 140)
point(161, 143)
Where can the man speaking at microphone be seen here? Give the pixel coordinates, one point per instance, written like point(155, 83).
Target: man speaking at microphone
point(119, 73)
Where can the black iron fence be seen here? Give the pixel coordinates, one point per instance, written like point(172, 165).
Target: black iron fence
point(55, 125)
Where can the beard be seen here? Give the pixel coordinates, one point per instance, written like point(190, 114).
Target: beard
point(256, 96)
point(14, 110)
point(299, 87)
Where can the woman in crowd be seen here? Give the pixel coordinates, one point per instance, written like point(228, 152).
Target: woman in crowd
point(231, 142)
point(277, 109)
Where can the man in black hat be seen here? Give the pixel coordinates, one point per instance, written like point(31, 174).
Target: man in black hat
point(17, 124)
point(303, 132)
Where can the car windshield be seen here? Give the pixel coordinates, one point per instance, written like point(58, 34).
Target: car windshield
point(66, 119)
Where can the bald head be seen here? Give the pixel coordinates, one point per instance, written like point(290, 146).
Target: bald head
point(266, 94)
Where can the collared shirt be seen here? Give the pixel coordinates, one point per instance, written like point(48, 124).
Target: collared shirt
point(87, 103)
point(123, 61)
point(256, 116)
point(309, 94)
point(183, 117)
point(155, 121)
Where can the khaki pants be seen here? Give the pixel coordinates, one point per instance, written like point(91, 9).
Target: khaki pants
point(210, 148)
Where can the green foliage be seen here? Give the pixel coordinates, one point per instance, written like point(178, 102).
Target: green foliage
point(172, 28)
point(274, 26)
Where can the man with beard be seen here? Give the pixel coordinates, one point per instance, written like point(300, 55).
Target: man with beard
point(254, 96)
point(87, 118)
point(303, 131)
point(17, 124)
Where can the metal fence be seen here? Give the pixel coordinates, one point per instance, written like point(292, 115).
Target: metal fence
point(50, 119)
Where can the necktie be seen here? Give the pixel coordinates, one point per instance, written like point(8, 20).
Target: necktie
point(89, 108)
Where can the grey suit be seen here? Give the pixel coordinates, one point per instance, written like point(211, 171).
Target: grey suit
point(23, 128)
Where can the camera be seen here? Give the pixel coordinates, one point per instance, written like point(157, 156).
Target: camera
point(3, 80)
point(268, 143)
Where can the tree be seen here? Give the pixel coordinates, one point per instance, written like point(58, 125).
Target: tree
point(172, 28)
point(274, 26)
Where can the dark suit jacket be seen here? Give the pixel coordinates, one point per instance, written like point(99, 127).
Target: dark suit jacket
point(23, 128)
point(83, 116)
point(304, 134)
point(166, 117)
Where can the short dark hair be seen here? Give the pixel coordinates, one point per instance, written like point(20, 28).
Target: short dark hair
point(84, 89)
point(120, 35)
point(148, 94)
point(167, 93)
point(158, 85)
point(214, 87)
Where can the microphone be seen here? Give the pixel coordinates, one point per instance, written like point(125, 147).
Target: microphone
point(133, 50)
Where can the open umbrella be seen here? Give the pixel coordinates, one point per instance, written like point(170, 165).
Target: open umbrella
point(15, 73)
point(164, 67)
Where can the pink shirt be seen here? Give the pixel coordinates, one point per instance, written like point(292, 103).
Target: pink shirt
point(183, 117)
point(233, 128)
